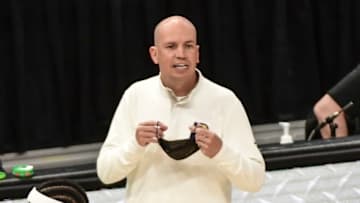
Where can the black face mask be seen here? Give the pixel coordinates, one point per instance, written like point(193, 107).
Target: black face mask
point(181, 149)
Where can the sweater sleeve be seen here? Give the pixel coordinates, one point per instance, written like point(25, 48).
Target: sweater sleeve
point(239, 158)
point(120, 152)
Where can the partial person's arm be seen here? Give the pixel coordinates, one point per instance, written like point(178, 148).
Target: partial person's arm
point(343, 92)
point(239, 157)
point(120, 152)
point(325, 107)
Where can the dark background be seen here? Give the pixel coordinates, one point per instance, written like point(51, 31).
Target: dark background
point(64, 64)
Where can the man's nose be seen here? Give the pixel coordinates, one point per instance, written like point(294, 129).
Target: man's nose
point(180, 52)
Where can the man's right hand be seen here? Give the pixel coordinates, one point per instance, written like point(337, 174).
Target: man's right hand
point(149, 132)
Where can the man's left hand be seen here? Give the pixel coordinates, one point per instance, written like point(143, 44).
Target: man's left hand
point(208, 142)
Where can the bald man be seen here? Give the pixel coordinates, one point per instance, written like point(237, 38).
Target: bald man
point(177, 136)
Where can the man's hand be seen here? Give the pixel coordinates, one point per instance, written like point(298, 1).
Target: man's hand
point(149, 132)
point(208, 142)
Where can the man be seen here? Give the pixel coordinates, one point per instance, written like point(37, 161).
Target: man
point(344, 92)
point(164, 107)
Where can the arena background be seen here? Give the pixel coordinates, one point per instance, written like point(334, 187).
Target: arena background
point(64, 64)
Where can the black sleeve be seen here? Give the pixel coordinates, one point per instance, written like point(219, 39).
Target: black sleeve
point(348, 89)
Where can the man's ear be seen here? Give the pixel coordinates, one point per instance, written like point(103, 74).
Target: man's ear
point(153, 54)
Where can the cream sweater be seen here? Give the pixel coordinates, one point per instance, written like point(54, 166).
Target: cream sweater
point(154, 177)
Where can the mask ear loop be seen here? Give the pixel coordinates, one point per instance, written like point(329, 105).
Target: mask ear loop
point(157, 127)
point(202, 125)
point(192, 135)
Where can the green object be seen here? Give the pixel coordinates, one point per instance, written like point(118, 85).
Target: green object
point(2, 175)
point(23, 170)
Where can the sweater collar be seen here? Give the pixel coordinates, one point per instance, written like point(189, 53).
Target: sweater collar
point(183, 99)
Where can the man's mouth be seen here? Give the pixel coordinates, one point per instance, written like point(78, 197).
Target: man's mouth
point(180, 66)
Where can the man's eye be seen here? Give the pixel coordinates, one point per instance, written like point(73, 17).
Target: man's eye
point(170, 46)
point(189, 46)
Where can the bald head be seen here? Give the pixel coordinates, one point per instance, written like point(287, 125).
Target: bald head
point(177, 53)
point(172, 21)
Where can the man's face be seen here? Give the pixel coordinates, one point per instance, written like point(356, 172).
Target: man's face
point(176, 51)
